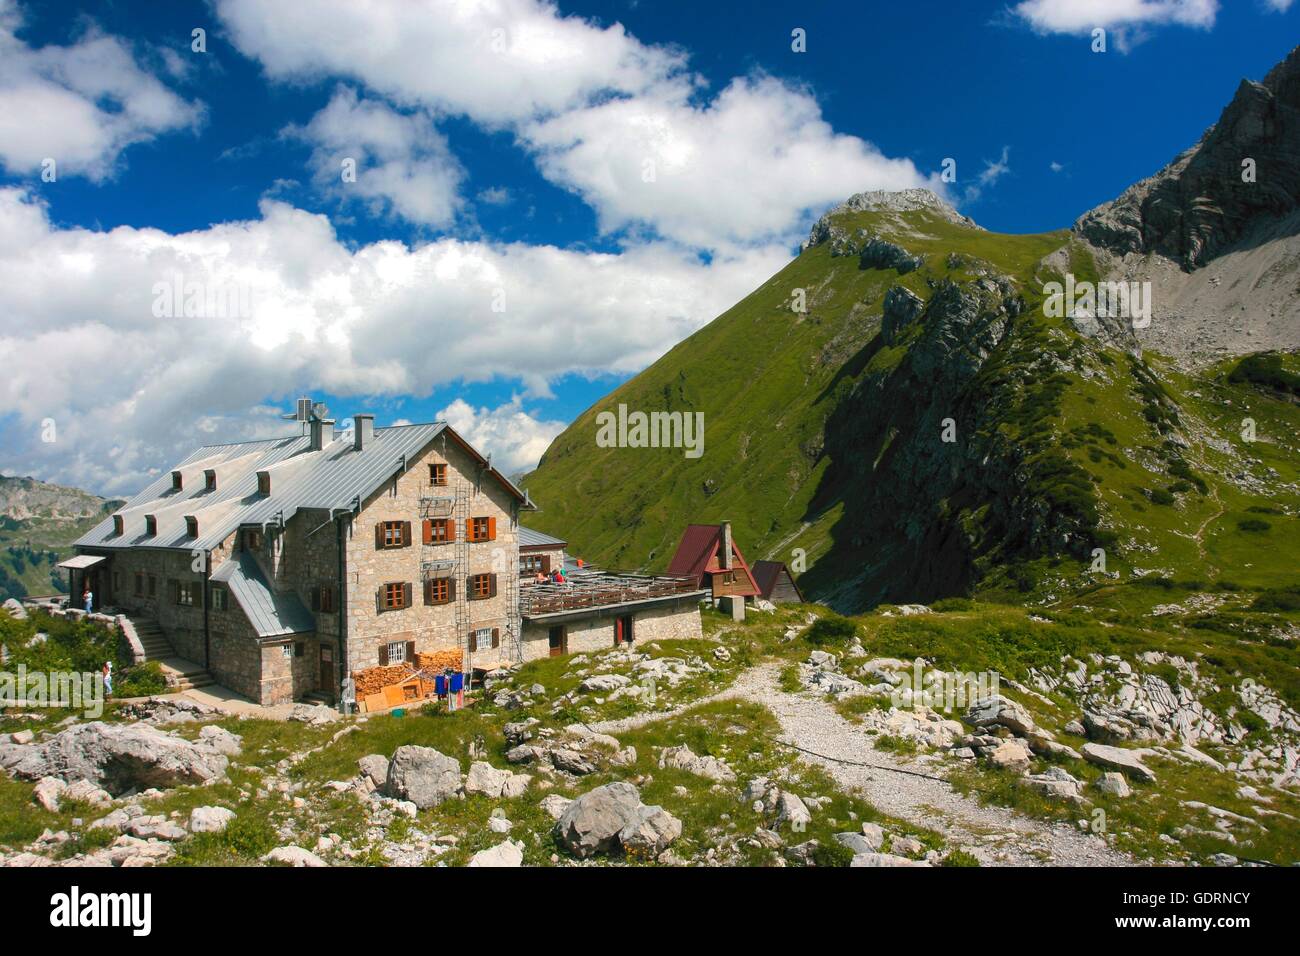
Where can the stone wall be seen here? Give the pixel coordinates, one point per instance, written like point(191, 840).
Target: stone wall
point(432, 628)
point(677, 619)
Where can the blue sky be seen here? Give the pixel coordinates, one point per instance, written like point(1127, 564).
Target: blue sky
point(501, 258)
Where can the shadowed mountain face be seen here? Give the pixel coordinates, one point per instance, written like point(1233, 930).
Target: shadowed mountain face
point(902, 412)
point(1230, 187)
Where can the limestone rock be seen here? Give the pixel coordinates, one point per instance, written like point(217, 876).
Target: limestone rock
point(1116, 758)
point(503, 854)
point(423, 776)
point(293, 856)
point(682, 758)
point(210, 819)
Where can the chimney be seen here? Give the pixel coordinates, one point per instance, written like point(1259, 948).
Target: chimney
point(320, 428)
point(363, 431)
point(726, 545)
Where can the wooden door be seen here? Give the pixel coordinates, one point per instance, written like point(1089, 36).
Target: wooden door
point(327, 669)
point(555, 640)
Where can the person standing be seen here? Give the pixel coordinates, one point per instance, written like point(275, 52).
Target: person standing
point(87, 599)
point(108, 678)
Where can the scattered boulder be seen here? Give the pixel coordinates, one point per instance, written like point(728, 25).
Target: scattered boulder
point(790, 809)
point(156, 827)
point(49, 791)
point(117, 757)
point(486, 779)
point(293, 856)
point(998, 711)
point(374, 767)
point(682, 758)
point(210, 819)
point(571, 761)
point(313, 714)
point(1113, 783)
point(423, 776)
point(611, 819)
point(555, 805)
point(1116, 758)
point(221, 740)
point(1010, 755)
point(603, 683)
point(883, 859)
point(1055, 784)
point(503, 854)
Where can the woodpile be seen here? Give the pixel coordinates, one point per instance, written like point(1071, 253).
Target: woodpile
point(381, 687)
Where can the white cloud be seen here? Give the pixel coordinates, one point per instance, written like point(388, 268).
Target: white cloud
point(496, 60)
point(514, 438)
point(1056, 167)
point(993, 171)
point(80, 105)
point(130, 391)
point(1281, 6)
point(401, 162)
point(1081, 16)
point(495, 196)
point(749, 165)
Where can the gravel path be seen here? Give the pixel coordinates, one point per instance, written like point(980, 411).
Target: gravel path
point(995, 835)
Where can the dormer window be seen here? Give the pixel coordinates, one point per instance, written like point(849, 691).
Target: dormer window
point(177, 481)
point(264, 483)
point(210, 479)
point(191, 526)
point(119, 524)
point(150, 525)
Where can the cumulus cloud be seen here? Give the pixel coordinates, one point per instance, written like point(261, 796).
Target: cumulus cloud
point(400, 163)
point(497, 61)
point(1081, 16)
point(138, 343)
point(747, 166)
point(622, 124)
point(1281, 6)
point(79, 105)
point(515, 439)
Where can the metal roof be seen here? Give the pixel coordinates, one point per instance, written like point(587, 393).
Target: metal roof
point(528, 538)
point(333, 478)
point(272, 613)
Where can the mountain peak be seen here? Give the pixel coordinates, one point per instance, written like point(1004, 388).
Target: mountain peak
point(888, 201)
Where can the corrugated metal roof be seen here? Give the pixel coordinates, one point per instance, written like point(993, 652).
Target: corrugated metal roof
point(272, 613)
point(332, 478)
point(528, 538)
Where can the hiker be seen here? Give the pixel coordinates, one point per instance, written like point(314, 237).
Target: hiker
point(87, 599)
point(108, 678)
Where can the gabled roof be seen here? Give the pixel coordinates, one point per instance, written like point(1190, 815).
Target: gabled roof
point(272, 613)
point(528, 538)
point(768, 573)
point(697, 554)
point(334, 478)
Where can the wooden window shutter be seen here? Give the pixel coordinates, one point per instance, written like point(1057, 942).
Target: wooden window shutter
point(496, 637)
point(546, 564)
point(383, 655)
point(428, 591)
point(451, 529)
point(427, 530)
point(410, 652)
point(451, 589)
point(315, 599)
point(406, 594)
point(493, 592)
point(379, 535)
point(406, 533)
point(380, 601)
point(492, 529)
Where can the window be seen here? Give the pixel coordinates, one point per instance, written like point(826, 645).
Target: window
point(286, 650)
point(191, 526)
point(482, 586)
point(486, 638)
point(139, 584)
point(263, 482)
point(322, 599)
point(482, 529)
point(396, 652)
point(437, 591)
point(437, 474)
point(394, 596)
point(439, 530)
point(210, 479)
point(185, 592)
point(218, 598)
point(153, 586)
point(151, 525)
point(178, 482)
point(252, 540)
point(392, 534)
point(532, 563)
point(119, 524)
point(299, 648)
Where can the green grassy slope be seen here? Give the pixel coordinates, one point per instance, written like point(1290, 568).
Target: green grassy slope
point(822, 436)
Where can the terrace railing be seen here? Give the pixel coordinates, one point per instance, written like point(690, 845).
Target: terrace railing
point(595, 588)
